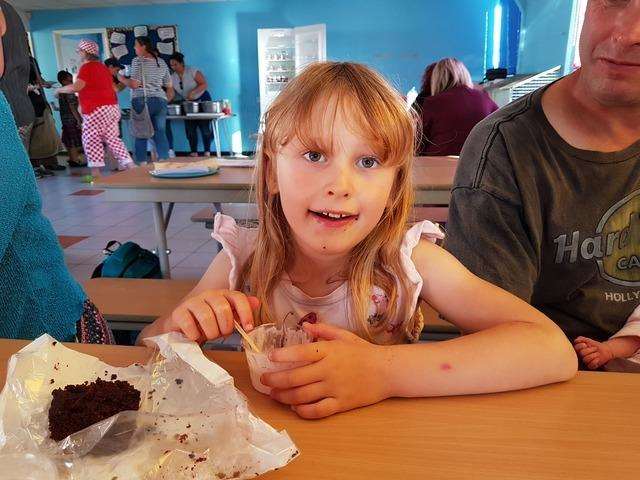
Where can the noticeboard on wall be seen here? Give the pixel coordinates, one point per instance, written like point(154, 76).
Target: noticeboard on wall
point(121, 41)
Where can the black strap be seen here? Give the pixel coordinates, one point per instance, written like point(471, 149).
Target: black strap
point(107, 250)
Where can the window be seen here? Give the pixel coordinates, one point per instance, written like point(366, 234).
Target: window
point(503, 35)
point(577, 19)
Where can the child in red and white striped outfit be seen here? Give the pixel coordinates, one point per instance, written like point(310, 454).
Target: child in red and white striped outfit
point(100, 110)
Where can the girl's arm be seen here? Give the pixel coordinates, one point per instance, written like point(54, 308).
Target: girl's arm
point(208, 310)
point(199, 88)
point(509, 344)
point(74, 87)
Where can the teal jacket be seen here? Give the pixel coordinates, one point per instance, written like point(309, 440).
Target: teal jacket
point(37, 293)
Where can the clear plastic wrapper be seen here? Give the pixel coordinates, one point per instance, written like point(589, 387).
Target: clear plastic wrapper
point(192, 423)
point(267, 337)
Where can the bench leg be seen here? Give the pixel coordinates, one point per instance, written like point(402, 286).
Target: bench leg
point(167, 217)
point(217, 208)
point(161, 236)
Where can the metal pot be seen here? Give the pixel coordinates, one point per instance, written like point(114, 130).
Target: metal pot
point(211, 107)
point(174, 109)
point(190, 107)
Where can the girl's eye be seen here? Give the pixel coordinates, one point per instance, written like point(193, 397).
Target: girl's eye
point(368, 162)
point(314, 157)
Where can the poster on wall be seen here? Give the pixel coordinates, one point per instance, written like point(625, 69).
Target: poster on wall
point(67, 45)
point(121, 41)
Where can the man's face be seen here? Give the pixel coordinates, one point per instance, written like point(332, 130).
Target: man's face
point(610, 51)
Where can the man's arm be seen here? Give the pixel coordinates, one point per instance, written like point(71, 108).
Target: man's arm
point(487, 230)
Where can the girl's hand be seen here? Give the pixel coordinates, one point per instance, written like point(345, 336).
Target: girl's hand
point(133, 83)
point(344, 372)
point(593, 354)
point(211, 314)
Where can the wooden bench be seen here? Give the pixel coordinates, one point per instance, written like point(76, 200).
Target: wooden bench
point(131, 303)
point(205, 216)
point(434, 213)
point(435, 327)
point(245, 214)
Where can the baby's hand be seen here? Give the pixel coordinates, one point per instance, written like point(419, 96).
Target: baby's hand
point(593, 354)
point(211, 314)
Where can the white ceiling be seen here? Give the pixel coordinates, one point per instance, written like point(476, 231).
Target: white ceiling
point(29, 5)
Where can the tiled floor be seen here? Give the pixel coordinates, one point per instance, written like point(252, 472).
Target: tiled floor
point(192, 248)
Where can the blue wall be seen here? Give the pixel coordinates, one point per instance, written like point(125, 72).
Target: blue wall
point(545, 32)
point(397, 37)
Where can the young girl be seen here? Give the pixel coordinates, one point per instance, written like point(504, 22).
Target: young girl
point(334, 195)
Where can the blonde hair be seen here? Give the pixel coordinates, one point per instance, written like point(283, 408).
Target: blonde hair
point(378, 113)
point(449, 73)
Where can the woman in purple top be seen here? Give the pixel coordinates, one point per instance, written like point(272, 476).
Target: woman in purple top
point(454, 107)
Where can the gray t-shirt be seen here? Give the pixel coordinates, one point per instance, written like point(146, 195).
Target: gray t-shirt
point(553, 224)
point(153, 73)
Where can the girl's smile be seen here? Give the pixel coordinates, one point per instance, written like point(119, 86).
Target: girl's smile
point(333, 219)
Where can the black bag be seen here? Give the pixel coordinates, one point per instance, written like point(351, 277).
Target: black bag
point(128, 260)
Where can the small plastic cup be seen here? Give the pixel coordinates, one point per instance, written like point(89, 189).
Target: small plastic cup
point(259, 363)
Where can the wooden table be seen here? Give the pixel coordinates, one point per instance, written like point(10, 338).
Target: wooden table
point(587, 428)
point(433, 177)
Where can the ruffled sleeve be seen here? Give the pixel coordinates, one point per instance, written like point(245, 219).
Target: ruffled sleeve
point(432, 232)
point(632, 327)
point(237, 242)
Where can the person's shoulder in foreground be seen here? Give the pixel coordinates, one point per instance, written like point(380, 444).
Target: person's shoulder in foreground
point(488, 142)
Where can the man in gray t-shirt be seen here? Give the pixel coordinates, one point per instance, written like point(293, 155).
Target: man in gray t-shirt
point(546, 201)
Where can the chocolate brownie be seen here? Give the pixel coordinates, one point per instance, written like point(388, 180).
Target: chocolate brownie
point(76, 407)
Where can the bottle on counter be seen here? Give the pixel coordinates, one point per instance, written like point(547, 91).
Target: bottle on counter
point(226, 106)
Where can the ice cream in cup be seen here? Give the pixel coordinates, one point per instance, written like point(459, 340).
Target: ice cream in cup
point(268, 337)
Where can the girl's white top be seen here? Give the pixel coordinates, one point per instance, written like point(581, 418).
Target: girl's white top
point(239, 243)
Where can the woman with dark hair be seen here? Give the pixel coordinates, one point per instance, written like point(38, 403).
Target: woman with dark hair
point(114, 66)
point(190, 84)
point(453, 107)
point(425, 88)
point(149, 80)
